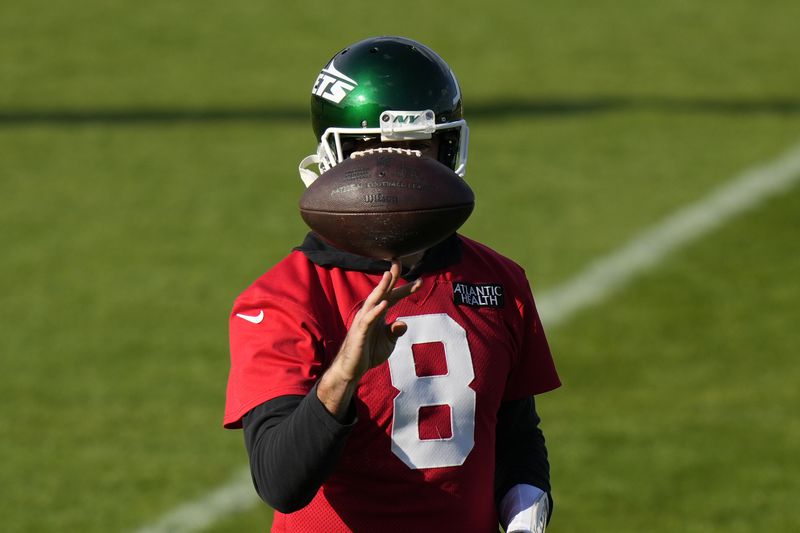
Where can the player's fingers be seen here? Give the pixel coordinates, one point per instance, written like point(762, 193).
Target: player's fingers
point(394, 271)
point(384, 287)
point(379, 292)
point(371, 316)
point(399, 293)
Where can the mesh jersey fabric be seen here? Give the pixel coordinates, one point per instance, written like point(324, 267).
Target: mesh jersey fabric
point(421, 455)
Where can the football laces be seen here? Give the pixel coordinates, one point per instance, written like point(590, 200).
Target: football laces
point(386, 150)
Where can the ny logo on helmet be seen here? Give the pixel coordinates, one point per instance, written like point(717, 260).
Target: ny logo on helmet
point(404, 119)
point(332, 85)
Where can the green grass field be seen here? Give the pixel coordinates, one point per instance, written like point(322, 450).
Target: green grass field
point(148, 157)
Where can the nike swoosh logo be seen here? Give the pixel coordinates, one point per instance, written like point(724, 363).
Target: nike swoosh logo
point(254, 319)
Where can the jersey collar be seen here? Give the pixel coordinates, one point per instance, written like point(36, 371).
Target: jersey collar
point(322, 253)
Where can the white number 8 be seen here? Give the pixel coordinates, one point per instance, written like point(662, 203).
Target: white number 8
point(450, 389)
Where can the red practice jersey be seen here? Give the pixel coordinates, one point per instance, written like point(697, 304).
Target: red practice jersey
point(421, 456)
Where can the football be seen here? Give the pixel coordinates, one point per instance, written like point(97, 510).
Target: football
point(387, 203)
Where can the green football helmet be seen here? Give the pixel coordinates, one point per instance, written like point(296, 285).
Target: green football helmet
point(385, 89)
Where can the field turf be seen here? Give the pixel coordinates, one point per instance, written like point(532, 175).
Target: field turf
point(148, 157)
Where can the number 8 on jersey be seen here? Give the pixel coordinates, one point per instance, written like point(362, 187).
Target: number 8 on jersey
point(450, 389)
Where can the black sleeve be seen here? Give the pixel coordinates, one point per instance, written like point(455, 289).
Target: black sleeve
point(294, 444)
point(521, 454)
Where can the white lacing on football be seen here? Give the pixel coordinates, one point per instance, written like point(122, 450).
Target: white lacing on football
point(385, 150)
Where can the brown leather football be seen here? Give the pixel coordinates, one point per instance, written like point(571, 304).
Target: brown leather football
point(387, 204)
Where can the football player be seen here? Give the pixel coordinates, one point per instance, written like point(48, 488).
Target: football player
point(392, 396)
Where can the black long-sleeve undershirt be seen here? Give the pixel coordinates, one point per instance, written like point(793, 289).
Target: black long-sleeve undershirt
point(294, 444)
point(520, 451)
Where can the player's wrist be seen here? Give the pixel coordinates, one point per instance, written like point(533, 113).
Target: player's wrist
point(346, 369)
point(335, 390)
point(344, 377)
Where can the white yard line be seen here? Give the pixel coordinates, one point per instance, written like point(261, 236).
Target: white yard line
point(600, 280)
point(608, 274)
point(197, 515)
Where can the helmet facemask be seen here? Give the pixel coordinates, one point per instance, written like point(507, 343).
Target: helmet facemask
point(337, 144)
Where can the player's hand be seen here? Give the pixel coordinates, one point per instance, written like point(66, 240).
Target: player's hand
point(368, 343)
point(370, 340)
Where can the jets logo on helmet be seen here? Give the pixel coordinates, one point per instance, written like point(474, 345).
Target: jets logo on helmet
point(332, 85)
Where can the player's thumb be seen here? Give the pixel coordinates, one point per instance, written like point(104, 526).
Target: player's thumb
point(395, 330)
